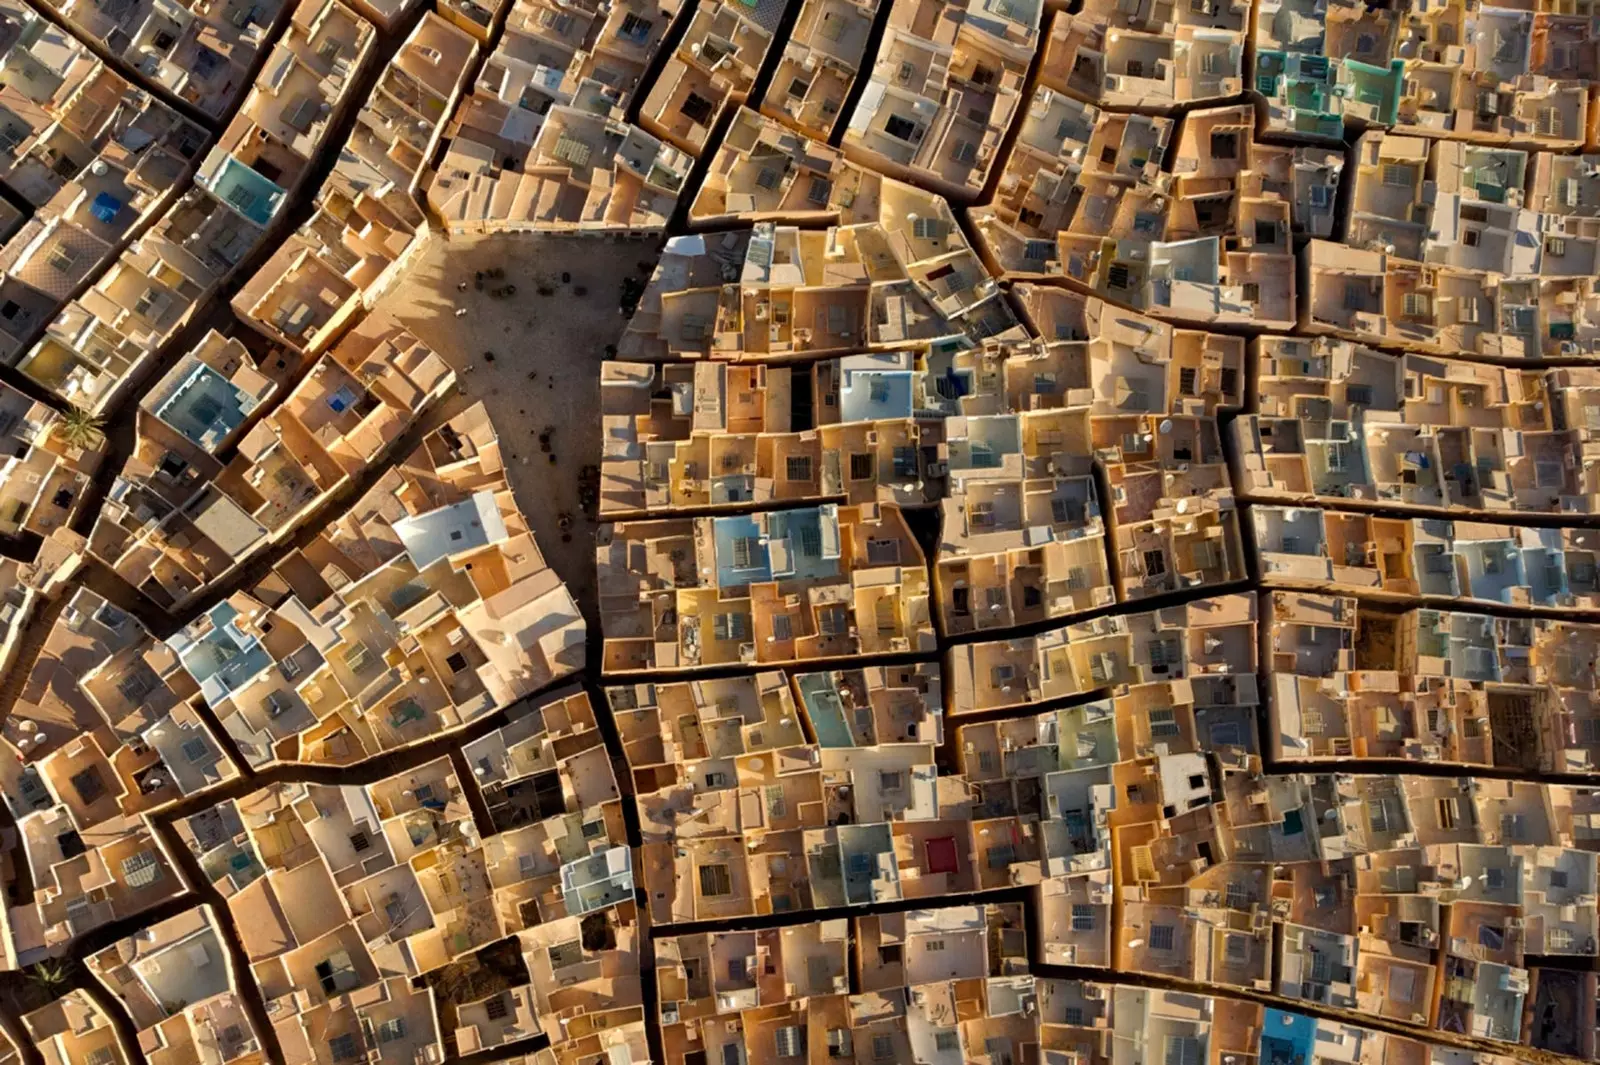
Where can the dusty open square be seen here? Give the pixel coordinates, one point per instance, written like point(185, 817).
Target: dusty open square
point(560, 338)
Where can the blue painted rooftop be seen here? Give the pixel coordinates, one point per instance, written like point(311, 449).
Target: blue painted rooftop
point(205, 407)
point(826, 711)
point(246, 191)
point(801, 544)
point(1287, 1038)
point(873, 395)
point(105, 207)
point(726, 532)
point(224, 658)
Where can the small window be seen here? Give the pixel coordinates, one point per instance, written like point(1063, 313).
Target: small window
point(746, 549)
point(1155, 563)
point(1399, 175)
point(62, 259)
point(715, 881)
point(135, 686)
point(697, 109)
point(142, 869)
point(730, 626)
point(791, 1040)
point(243, 200)
point(900, 128)
point(862, 466)
point(1182, 1050)
point(808, 541)
point(88, 784)
point(634, 28)
point(935, 945)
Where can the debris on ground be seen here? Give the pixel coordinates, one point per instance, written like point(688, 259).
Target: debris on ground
point(632, 292)
point(589, 490)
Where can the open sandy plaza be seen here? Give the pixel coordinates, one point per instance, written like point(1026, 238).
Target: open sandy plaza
point(546, 354)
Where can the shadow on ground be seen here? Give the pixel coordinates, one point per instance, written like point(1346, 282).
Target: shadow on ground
point(559, 338)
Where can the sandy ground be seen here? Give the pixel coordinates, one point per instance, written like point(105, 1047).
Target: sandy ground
point(561, 338)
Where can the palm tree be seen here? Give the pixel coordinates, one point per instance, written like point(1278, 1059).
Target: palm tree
point(52, 975)
point(78, 428)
